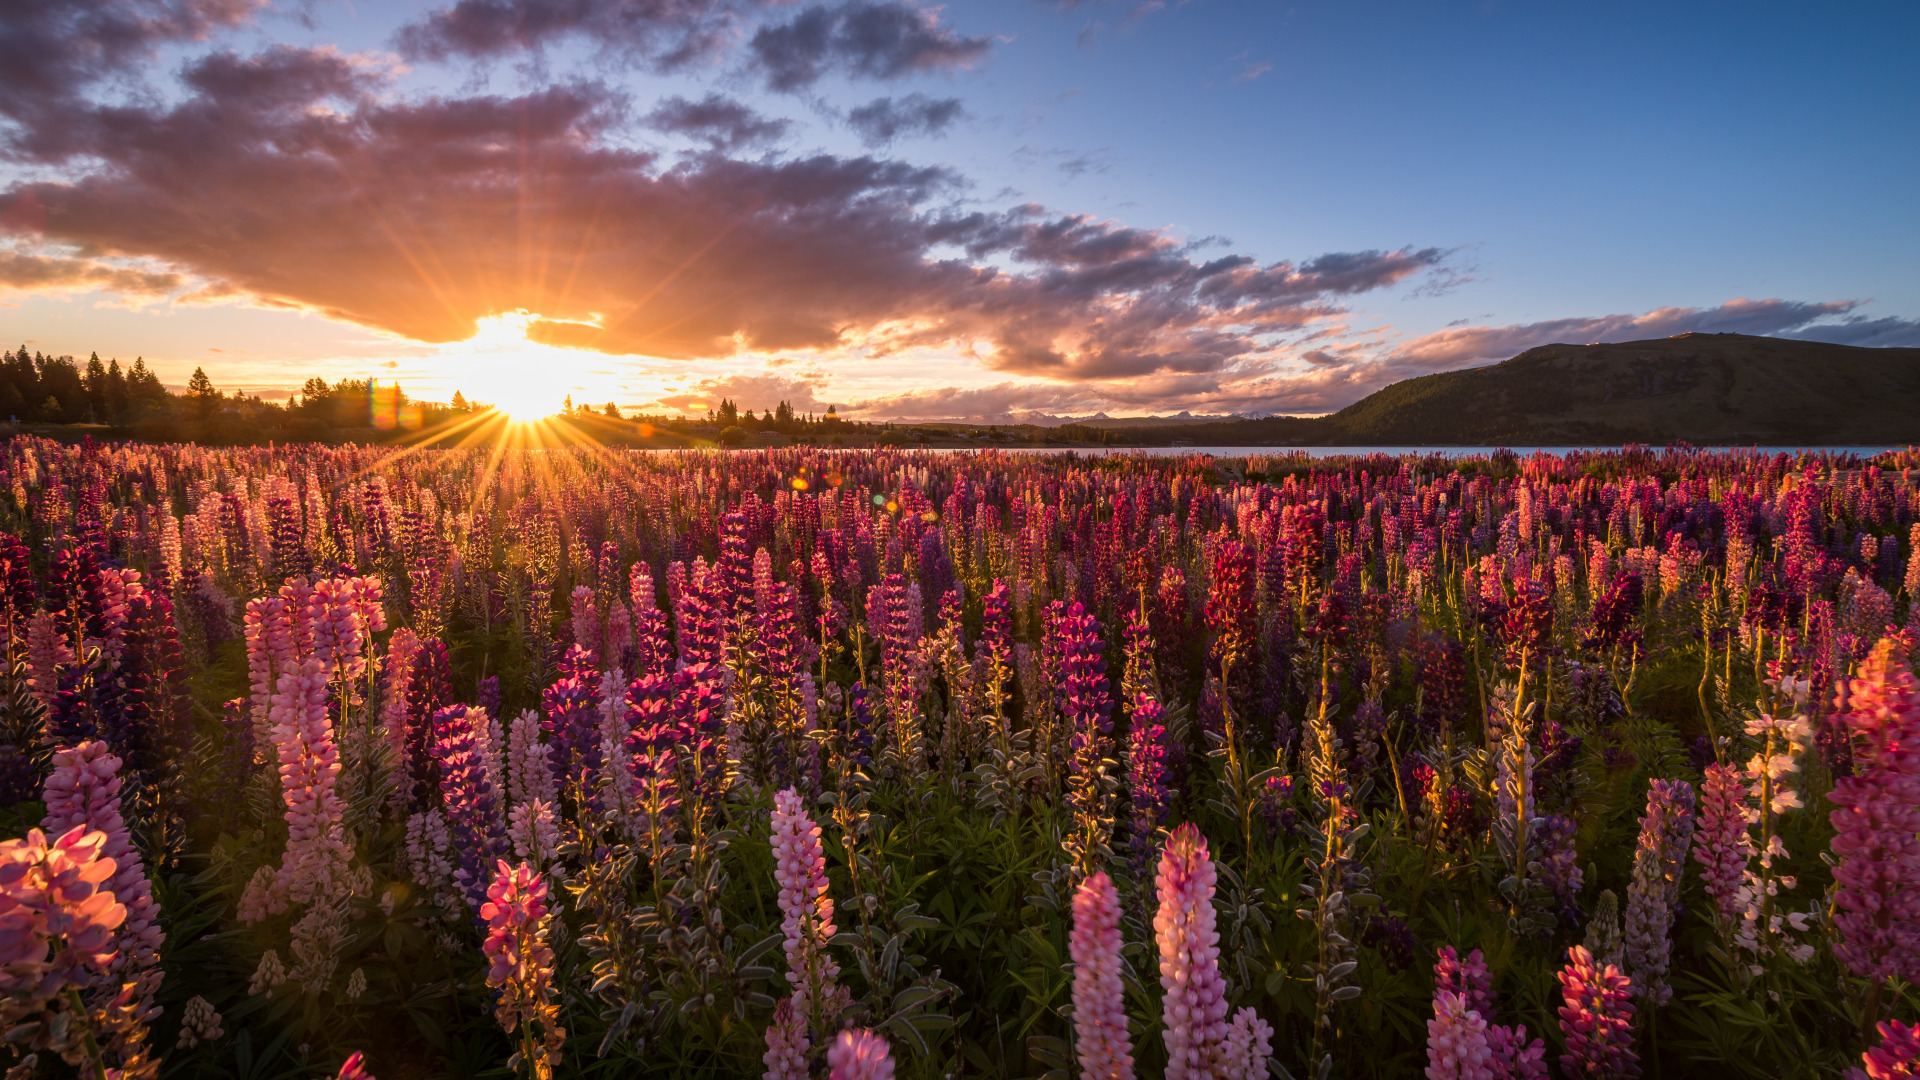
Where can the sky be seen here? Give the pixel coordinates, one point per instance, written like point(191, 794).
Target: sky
point(985, 210)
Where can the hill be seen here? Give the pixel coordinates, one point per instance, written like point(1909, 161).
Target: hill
point(1705, 389)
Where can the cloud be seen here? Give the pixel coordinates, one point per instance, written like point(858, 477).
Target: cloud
point(52, 52)
point(297, 178)
point(1253, 70)
point(724, 124)
point(882, 120)
point(1829, 321)
point(661, 34)
point(28, 272)
point(863, 39)
point(757, 392)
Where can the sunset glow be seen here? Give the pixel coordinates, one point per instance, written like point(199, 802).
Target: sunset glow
point(525, 379)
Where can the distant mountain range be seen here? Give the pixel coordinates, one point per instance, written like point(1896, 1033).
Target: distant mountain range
point(1706, 389)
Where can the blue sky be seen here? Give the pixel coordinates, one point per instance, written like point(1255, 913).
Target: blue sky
point(1127, 207)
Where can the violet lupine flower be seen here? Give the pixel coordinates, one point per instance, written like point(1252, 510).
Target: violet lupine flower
point(859, 1054)
point(1088, 709)
point(1194, 1010)
point(84, 789)
point(473, 805)
point(1553, 844)
point(1597, 1019)
point(1898, 1055)
point(487, 695)
point(519, 963)
point(1721, 846)
point(1099, 997)
point(1468, 978)
point(1665, 832)
point(1875, 819)
point(1457, 1046)
point(800, 871)
point(1147, 777)
point(572, 706)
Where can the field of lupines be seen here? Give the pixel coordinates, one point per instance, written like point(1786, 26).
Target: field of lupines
point(341, 761)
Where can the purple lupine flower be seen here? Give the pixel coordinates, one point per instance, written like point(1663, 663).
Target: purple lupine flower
point(475, 809)
point(1876, 818)
point(572, 710)
point(1666, 830)
point(1553, 844)
point(1147, 777)
point(1721, 849)
point(1101, 1044)
point(487, 695)
point(1597, 1019)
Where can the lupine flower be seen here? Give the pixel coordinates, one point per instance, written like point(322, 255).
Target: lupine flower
point(572, 706)
point(1876, 819)
point(1720, 848)
point(1099, 998)
point(787, 1042)
point(58, 914)
point(1194, 1010)
point(520, 965)
point(1898, 1055)
point(800, 871)
point(402, 648)
point(859, 1054)
point(84, 790)
point(199, 1022)
point(1467, 978)
point(1087, 708)
point(529, 761)
point(314, 866)
point(354, 1068)
point(1457, 1041)
point(1665, 832)
point(1597, 1019)
point(475, 816)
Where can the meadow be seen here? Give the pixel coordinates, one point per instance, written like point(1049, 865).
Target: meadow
point(501, 761)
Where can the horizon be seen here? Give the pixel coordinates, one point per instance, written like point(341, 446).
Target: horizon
point(933, 213)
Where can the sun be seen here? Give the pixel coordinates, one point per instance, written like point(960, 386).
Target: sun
point(524, 379)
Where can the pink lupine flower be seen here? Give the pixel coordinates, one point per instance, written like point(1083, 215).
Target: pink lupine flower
point(1099, 997)
point(1457, 1041)
point(520, 965)
point(1195, 1007)
point(1467, 978)
point(84, 789)
point(1720, 844)
point(586, 622)
point(315, 863)
point(270, 652)
point(800, 870)
point(56, 897)
point(47, 653)
point(1597, 1019)
point(529, 762)
point(1513, 1057)
point(859, 1054)
point(1898, 1055)
point(1248, 1045)
point(786, 1056)
point(402, 650)
point(1876, 818)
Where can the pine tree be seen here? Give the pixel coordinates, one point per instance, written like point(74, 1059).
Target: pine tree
point(201, 394)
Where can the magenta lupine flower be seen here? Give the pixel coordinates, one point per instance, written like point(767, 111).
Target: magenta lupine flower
point(859, 1054)
point(58, 913)
point(1898, 1055)
point(1457, 1046)
point(1597, 1019)
point(475, 814)
point(1101, 1042)
point(1876, 818)
point(1513, 1057)
point(1720, 847)
point(1194, 1010)
point(1665, 832)
point(800, 871)
point(519, 963)
point(1468, 978)
point(84, 790)
point(1087, 708)
point(354, 1068)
